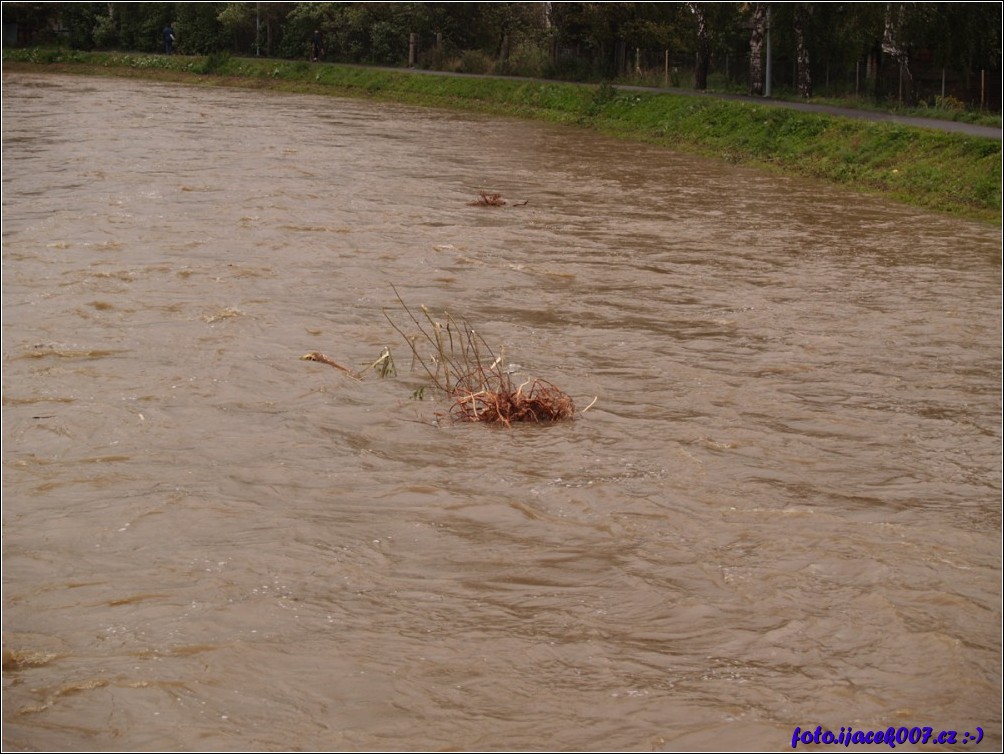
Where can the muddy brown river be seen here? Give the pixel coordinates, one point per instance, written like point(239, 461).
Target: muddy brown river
point(783, 510)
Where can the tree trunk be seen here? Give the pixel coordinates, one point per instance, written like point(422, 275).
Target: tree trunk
point(703, 47)
point(804, 73)
point(893, 44)
point(759, 28)
point(872, 75)
point(620, 58)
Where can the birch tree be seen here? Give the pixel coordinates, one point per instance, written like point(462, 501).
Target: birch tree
point(758, 30)
point(802, 14)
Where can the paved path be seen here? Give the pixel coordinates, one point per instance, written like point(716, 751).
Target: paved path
point(845, 112)
point(953, 126)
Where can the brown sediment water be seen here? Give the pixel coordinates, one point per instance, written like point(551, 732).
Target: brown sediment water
point(783, 510)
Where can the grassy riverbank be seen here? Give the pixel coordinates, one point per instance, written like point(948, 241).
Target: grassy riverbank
point(946, 172)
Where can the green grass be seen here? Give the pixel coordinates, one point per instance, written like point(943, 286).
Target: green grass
point(945, 172)
point(942, 108)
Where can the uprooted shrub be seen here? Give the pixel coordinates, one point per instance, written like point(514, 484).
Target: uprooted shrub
point(477, 383)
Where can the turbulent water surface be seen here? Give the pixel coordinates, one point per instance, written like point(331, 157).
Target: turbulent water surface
point(783, 510)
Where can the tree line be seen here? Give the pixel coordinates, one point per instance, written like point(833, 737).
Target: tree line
point(946, 53)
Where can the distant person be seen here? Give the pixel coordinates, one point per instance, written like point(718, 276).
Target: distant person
point(318, 50)
point(168, 40)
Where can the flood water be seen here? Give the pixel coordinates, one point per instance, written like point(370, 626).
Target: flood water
point(783, 509)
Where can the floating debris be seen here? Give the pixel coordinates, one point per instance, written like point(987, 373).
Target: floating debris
point(476, 381)
point(227, 313)
point(488, 200)
point(322, 359)
point(497, 401)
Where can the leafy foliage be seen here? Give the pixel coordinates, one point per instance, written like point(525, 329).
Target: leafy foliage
point(842, 48)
